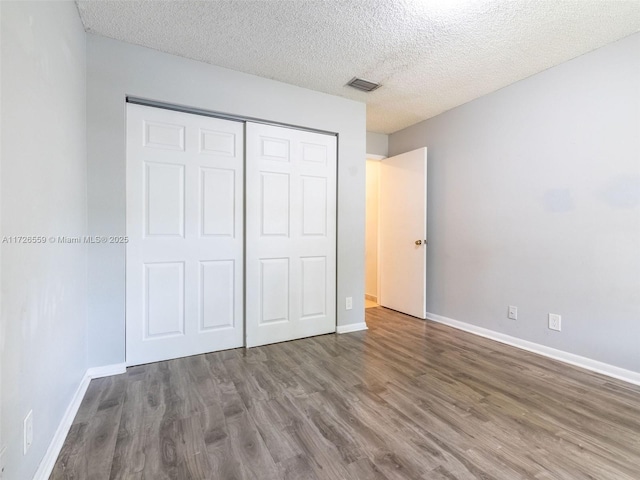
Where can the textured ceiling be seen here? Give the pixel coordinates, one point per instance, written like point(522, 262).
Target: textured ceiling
point(429, 55)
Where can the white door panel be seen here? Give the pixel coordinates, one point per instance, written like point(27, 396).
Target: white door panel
point(291, 234)
point(163, 199)
point(185, 226)
point(218, 202)
point(402, 223)
point(163, 291)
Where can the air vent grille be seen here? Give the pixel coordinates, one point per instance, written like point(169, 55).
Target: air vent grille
point(364, 85)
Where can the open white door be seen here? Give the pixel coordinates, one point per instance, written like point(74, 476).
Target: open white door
point(184, 263)
point(403, 233)
point(291, 234)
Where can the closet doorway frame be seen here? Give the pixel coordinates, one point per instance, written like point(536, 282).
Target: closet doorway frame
point(245, 119)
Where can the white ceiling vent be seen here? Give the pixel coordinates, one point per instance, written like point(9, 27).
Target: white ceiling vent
point(364, 85)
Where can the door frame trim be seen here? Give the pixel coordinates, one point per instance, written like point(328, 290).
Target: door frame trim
point(222, 115)
point(376, 158)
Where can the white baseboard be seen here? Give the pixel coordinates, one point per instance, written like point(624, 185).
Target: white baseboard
point(566, 357)
point(107, 370)
point(354, 327)
point(49, 460)
point(373, 298)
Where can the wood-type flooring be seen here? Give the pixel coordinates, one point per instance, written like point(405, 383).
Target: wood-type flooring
point(407, 399)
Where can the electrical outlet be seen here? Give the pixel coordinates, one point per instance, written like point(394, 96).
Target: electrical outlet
point(555, 322)
point(513, 312)
point(28, 431)
point(2, 464)
point(349, 303)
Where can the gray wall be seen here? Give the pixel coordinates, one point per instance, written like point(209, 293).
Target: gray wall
point(44, 341)
point(377, 144)
point(116, 69)
point(534, 201)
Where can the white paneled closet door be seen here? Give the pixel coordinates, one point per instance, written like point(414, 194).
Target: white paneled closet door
point(290, 234)
point(184, 266)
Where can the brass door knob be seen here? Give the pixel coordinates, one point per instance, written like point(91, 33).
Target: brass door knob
point(418, 242)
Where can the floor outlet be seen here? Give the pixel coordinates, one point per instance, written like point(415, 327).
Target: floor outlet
point(28, 431)
point(555, 322)
point(513, 312)
point(349, 303)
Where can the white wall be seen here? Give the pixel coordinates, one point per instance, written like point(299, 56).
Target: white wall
point(377, 144)
point(534, 201)
point(43, 192)
point(2, 330)
point(116, 69)
point(371, 231)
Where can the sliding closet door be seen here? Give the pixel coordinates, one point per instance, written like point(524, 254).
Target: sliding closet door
point(184, 266)
point(290, 234)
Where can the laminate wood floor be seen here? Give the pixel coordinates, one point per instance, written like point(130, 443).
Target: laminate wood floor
point(406, 399)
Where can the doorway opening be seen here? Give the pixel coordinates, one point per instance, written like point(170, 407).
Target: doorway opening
point(371, 230)
point(396, 232)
